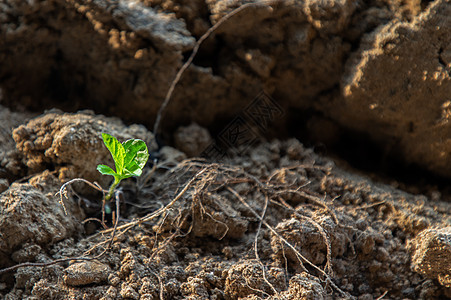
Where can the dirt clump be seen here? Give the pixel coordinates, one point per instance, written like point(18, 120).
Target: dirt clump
point(72, 143)
point(304, 286)
point(311, 234)
point(192, 139)
point(415, 58)
point(30, 213)
point(247, 278)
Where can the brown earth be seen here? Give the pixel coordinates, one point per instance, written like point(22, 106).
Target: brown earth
point(260, 216)
point(326, 233)
point(380, 67)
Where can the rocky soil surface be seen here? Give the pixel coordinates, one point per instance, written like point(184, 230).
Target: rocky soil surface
point(230, 205)
point(271, 221)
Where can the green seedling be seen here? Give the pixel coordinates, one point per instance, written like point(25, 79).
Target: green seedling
point(129, 160)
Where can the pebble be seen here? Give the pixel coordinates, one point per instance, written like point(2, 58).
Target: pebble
point(87, 272)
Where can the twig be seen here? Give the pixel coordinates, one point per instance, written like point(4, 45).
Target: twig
point(160, 282)
point(95, 220)
point(382, 296)
point(63, 190)
point(371, 205)
point(265, 208)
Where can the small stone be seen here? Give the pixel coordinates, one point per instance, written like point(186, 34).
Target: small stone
point(86, 272)
point(114, 280)
point(306, 286)
point(111, 293)
point(128, 292)
point(432, 254)
point(192, 139)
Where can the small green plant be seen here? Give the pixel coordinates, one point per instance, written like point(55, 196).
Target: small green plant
point(129, 160)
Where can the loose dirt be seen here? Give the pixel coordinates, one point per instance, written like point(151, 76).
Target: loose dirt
point(273, 221)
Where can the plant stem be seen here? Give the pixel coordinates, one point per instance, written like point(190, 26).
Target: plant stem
point(112, 188)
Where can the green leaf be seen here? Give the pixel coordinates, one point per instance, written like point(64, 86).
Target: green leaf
point(117, 151)
point(105, 170)
point(130, 157)
point(136, 156)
